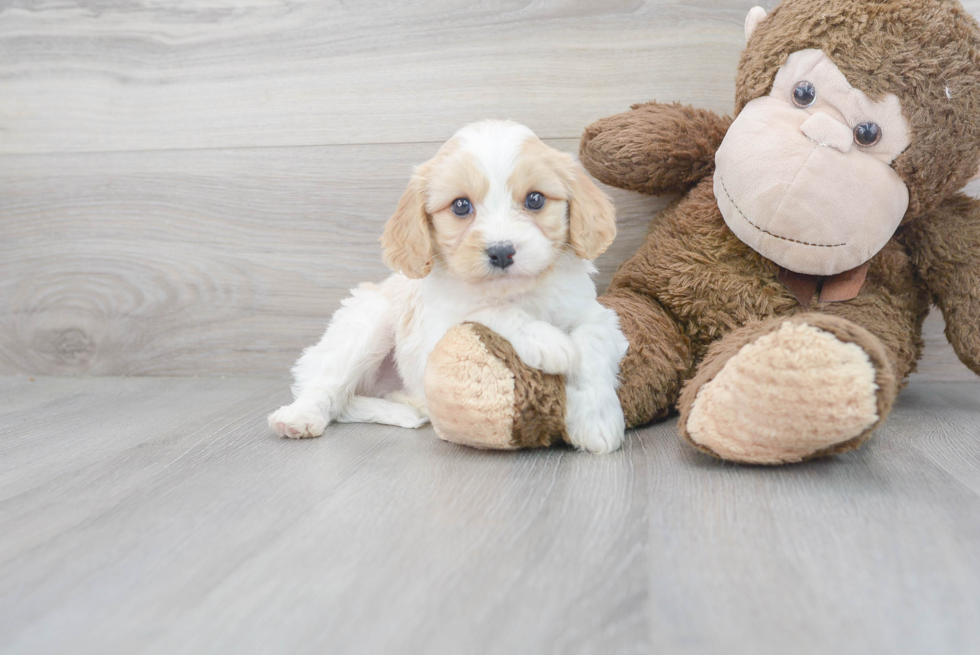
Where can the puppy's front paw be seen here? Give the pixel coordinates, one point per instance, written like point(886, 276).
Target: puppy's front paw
point(297, 421)
point(546, 348)
point(594, 420)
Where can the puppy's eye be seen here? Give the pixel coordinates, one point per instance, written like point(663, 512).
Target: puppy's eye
point(462, 207)
point(804, 94)
point(534, 201)
point(867, 134)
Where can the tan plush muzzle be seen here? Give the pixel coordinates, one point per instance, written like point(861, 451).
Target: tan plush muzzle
point(772, 180)
point(794, 183)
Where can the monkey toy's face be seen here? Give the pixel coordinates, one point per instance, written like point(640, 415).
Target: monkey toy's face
point(803, 175)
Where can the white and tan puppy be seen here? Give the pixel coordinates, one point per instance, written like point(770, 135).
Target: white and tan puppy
point(499, 229)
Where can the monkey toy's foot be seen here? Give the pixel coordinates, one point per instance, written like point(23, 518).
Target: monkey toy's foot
point(479, 393)
point(787, 390)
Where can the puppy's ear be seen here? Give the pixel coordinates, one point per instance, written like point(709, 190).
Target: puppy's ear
point(591, 217)
point(406, 241)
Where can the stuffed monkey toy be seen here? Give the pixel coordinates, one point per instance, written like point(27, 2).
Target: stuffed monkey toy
point(777, 305)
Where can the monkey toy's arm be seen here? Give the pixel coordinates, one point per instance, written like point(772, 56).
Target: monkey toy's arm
point(654, 148)
point(945, 248)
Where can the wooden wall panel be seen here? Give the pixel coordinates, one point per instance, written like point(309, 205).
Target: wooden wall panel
point(200, 262)
point(191, 188)
point(152, 75)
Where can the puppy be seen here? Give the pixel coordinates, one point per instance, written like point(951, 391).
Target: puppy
point(499, 229)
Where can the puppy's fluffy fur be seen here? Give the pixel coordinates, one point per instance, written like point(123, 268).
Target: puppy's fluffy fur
point(522, 271)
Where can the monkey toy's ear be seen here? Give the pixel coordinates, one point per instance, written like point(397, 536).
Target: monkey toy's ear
point(755, 16)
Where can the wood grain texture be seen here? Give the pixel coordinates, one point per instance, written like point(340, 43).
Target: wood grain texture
point(102, 75)
point(211, 262)
point(150, 75)
point(190, 207)
point(218, 262)
point(158, 515)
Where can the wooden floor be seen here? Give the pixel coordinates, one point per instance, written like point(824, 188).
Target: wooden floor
point(190, 189)
point(158, 515)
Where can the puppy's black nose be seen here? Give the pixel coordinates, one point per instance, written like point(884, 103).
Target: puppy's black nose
point(501, 255)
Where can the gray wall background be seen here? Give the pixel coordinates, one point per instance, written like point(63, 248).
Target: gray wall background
point(191, 188)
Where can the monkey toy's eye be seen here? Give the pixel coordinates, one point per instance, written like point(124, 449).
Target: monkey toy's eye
point(534, 201)
point(867, 134)
point(462, 207)
point(804, 94)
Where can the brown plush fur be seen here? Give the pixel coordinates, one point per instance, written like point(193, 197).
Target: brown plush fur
point(654, 148)
point(945, 250)
point(658, 347)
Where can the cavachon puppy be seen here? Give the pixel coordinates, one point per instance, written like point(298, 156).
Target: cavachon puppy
point(497, 229)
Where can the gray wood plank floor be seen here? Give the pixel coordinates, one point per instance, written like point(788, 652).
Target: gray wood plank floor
point(158, 515)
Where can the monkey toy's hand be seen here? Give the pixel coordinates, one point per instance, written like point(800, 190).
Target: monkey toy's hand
point(654, 148)
point(945, 248)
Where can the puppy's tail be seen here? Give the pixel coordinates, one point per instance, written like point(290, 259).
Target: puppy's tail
point(365, 409)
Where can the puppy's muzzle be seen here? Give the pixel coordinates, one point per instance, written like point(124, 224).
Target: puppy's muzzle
point(501, 255)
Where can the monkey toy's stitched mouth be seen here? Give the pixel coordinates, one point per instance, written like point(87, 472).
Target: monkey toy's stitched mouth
point(765, 231)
